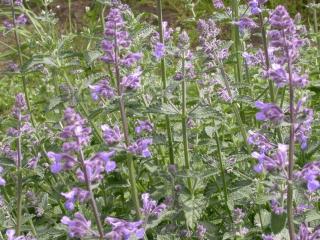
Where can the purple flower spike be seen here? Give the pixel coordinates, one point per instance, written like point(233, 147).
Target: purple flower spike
point(123, 230)
point(79, 227)
point(150, 206)
point(76, 194)
point(140, 147)
point(280, 18)
point(132, 81)
point(111, 135)
point(254, 7)
point(101, 90)
point(62, 161)
point(269, 111)
point(146, 126)
point(279, 75)
point(104, 157)
point(159, 50)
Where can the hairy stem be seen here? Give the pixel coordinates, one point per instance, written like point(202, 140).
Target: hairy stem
point(92, 199)
point(24, 80)
point(225, 189)
point(184, 123)
point(164, 83)
point(124, 120)
point(291, 148)
point(19, 181)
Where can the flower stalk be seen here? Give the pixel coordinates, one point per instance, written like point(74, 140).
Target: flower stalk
point(184, 117)
point(291, 148)
point(19, 180)
point(130, 163)
point(18, 44)
point(164, 82)
point(92, 199)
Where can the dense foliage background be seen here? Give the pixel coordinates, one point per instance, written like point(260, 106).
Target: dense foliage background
point(112, 129)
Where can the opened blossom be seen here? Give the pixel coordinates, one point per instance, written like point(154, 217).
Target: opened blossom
point(141, 147)
point(123, 230)
point(78, 227)
point(76, 194)
point(269, 111)
point(111, 135)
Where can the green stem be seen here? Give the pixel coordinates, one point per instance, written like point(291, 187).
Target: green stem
point(92, 199)
point(235, 109)
point(69, 15)
point(184, 123)
point(316, 28)
point(225, 189)
point(164, 83)
point(124, 120)
point(19, 181)
point(266, 56)
point(290, 213)
point(236, 40)
point(24, 81)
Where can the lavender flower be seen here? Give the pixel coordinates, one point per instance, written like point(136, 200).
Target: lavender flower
point(218, 4)
point(2, 181)
point(146, 126)
point(132, 81)
point(224, 95)
point(276, 208)
point(33, 162)
point(150, 206)
point(238, 215)
point(210, 44)
point(21, 19)
point(310, 174)
point(96, 166)
point(76, 194)
point(101, 90)
point(267, 237)
point(159, 50)
point(122, 229)
point(78, 227)
point(131, 59)
point(254, 7)
point(201, 231)
point(62, 161)
point(75, 132)
point(305, 234)
point(246, 23)
point(260, 141)
point(10, 233)
point(7, 25)
point(303, 129)
point(277, 161)
point(269, 111)
point(140, 147)
point(111, 135)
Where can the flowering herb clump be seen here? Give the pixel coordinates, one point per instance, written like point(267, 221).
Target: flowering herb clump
point(171, 120)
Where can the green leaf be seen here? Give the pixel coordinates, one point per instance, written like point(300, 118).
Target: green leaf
point(278, 222)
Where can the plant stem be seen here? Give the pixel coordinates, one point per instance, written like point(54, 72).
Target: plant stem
point(316, 28)
point(69, 15)
point(225, 190)
point(92, 199)
point(236, 40)
point(24, 81)
point(291, 148)
point(184, 122)
point(235, 108)
point(130, 163)
point(164, 82)
point(19, 181)
point(266, 56)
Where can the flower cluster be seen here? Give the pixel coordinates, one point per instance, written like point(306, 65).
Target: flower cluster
point(102, 90)
point(122, 229)
point(10, 233)
point(19, 21)
point(159, 49)
point(150, 206)
point(116, 45)
point(78, 227)
point(310, 174)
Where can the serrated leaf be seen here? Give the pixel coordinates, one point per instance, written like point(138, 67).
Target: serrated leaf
point(312, 215)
